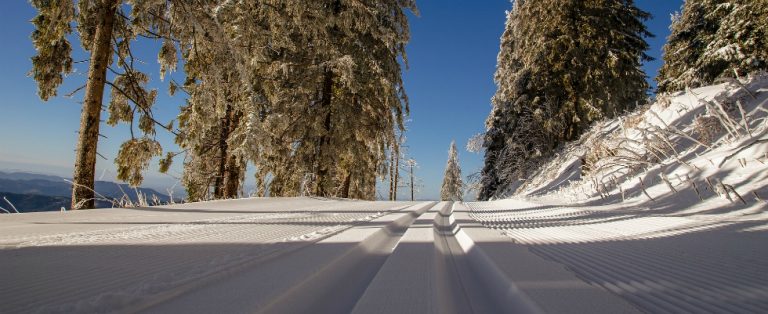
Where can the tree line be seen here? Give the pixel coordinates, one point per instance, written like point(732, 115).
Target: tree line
point(564, 64)
point(309, 92)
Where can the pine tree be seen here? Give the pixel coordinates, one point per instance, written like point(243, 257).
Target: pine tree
point(203, 32)
point(712, 39)
point(452, 188)
point(585, 59)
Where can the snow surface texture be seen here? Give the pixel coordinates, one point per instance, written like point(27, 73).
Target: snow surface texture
point(107, 259)
point(670, 214)
point(297, 255)
point(661, 261)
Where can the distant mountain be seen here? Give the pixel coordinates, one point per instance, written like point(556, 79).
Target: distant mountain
point(36, 186)
point(27, 203)
point(23, 183)
point(27, 176)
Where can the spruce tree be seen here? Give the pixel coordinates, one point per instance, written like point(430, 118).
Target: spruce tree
point(334, 97)
point(453, 187)
point(712, 39)
point(563, 64)
point(585, 61)
point(503, 117)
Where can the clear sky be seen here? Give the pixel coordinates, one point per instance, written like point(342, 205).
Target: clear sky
point(452, 57)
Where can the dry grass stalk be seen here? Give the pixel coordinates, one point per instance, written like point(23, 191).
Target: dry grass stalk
point(642, 186)
point(12, 206)
point(711, 187)
point(695, 188)
point(666, 180)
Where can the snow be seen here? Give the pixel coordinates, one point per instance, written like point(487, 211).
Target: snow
point(293, 255)
point(683, 251)
point(126, 258)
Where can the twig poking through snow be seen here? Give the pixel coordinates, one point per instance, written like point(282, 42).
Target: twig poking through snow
point(730, 188)
point(711, 187)
point(724, 189)
point(757, 197)
point(642, 186)
point(616, 183)
point(666, 180)
point(741, 149)
point(695, 189)
point(9, 203)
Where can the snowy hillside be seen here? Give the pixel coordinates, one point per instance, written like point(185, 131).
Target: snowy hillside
point(665, 206)
point(706, 145)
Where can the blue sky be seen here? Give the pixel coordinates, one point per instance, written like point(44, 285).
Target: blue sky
point(452, 57)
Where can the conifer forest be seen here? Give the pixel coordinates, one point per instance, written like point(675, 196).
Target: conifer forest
point(311, 95)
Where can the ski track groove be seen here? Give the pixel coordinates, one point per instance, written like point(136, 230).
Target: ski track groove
point(615, 250)
point(129, 283)
point(610, 249)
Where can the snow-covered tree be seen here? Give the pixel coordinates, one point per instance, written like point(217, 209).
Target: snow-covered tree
point(452, 188)
point(502, 114)
point(562, 65)
point(309, 92)
point(585, 61)
point(711, 39)
point(107, 31)
point(334, 96)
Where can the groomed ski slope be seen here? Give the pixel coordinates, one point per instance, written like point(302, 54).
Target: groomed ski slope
point(294, 255)
point(661, 261)
point(301, 255)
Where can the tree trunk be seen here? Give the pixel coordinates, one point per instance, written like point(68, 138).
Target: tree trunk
point(325, 141)
point(218, 183)
point(347, 184)
point(234, 167)
point(391, 173)
point(85, 155)
point(227, 183)
point(232, 178)
point(397, 170)
point(411, 183)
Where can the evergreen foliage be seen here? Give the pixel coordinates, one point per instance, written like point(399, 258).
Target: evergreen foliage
point(106, 32)
point(713, 39)
point(308, 92)
point(453, 187)
point(562, 65)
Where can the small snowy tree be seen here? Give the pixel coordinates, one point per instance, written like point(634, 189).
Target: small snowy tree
point(452, 189)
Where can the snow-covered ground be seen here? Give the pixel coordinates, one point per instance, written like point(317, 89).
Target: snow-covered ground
point(108, 259)
point(662, 261)
point(670, 212)
point(301, 255)
point(295, 255)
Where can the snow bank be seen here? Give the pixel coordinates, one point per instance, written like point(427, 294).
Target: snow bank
point(688, 147)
